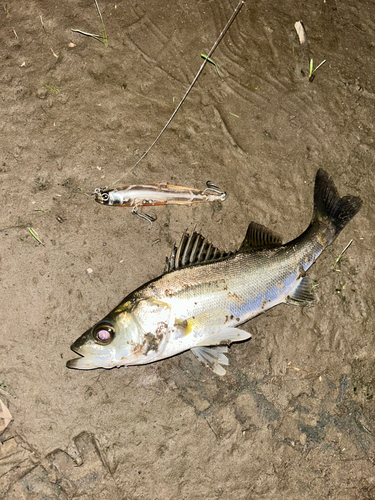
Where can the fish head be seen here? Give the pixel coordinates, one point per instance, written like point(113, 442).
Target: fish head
point(102, 196)
point(111, 197)
point(131, 334)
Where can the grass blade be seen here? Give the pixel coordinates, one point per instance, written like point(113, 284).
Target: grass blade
point(34, 235)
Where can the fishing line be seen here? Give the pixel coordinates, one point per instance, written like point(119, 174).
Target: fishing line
point(225, 29)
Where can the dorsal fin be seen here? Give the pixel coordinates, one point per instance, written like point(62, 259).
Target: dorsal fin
point(259, 237)
point(192, 249)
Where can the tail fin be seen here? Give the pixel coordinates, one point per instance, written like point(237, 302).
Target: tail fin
point(329, 205)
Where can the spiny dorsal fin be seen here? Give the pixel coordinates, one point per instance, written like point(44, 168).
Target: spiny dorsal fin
point(259, 237)
point(193, 249)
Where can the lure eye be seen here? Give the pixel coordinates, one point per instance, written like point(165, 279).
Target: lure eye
point(105, 197)
point(103, 333)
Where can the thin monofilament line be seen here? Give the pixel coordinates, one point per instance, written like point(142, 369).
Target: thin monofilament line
point(225, 29)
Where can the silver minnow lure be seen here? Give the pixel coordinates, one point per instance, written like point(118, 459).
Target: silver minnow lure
point(205, 294)
point(157, 194)
point(145, 195)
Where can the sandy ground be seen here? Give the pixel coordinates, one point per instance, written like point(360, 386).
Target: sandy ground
point(294, 416)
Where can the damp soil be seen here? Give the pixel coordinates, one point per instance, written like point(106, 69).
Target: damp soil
point(294, 415)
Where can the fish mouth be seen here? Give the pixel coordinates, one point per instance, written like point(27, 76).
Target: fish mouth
point(89, 361)
point(82, 363)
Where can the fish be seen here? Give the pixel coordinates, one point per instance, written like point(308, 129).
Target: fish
point(205, 294)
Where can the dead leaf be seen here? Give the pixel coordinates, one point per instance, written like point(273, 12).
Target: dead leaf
point(298, 26)
point(5, 417)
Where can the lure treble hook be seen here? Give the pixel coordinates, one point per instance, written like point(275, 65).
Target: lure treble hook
point(149, 218)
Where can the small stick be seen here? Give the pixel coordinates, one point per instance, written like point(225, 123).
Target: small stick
point(342, 253)
point(41, 20)
point(300, 370)
point(92, 35)
point(101, 38)
point(206, 58)
point(290, 367)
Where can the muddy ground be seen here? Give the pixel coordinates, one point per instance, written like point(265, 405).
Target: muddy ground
point(294, 416)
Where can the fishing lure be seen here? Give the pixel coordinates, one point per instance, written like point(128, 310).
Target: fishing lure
point(145, 195)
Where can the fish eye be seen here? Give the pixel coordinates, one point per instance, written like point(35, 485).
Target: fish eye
point(103, 333)
point(105, 197)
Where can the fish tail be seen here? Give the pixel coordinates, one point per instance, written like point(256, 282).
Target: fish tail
point(329, 207)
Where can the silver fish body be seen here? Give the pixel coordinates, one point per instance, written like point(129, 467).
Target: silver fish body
point(200, 302)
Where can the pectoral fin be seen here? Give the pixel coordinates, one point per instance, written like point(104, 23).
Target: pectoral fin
point(303, 294)
point(225, 336)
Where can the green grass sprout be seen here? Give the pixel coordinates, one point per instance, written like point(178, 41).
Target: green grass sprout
point(105, 38)
point(54, 89)
point(233, 114)
point(212, 62)
point(34, 235)
point(342, 253)
point(312, 70)
point(101, 38)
